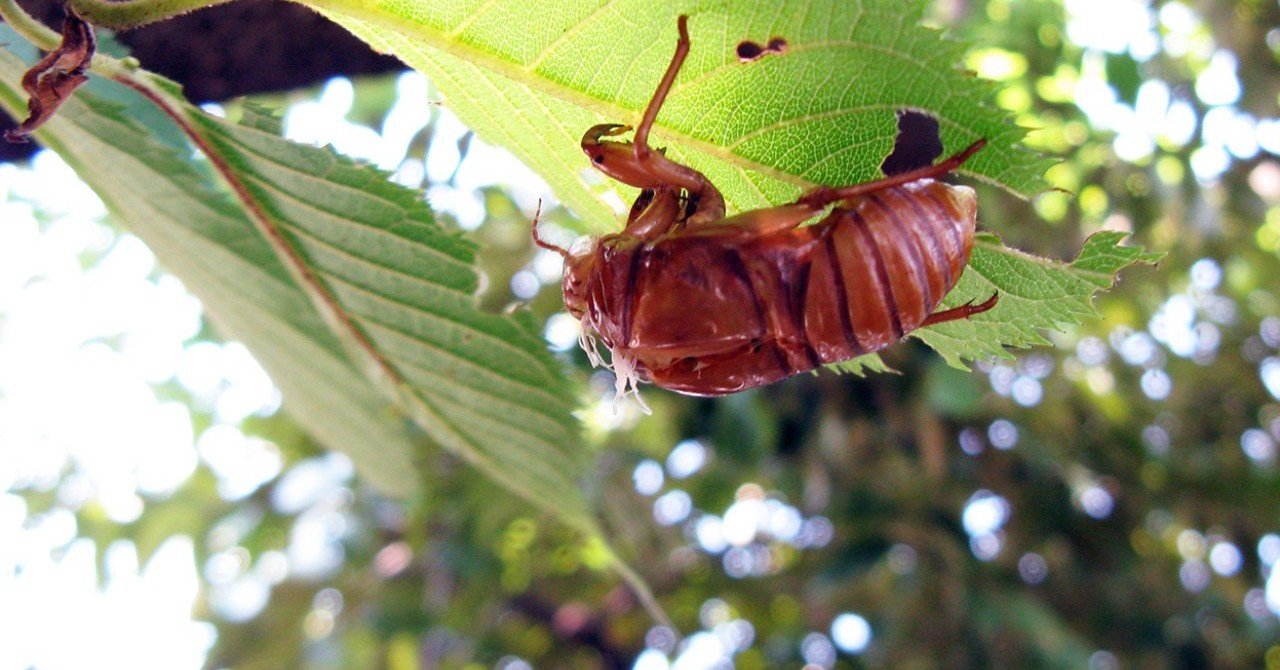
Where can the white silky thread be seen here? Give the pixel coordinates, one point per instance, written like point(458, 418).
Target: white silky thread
point(624, 368)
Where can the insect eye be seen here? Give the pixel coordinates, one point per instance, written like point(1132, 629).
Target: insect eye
point(598, 158)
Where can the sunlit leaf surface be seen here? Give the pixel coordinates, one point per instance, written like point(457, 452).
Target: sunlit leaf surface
point(1035, 295)
point(481, 385)
point(532, 77)
point(1034, 513)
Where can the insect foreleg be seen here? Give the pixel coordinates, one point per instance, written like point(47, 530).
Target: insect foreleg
point(641, 142)
point(825, 195)
point(638, 164)
point(653, 215)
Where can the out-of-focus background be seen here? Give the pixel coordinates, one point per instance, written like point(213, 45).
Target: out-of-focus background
point(1110, 501)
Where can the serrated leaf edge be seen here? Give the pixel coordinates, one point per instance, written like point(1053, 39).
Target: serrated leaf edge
point(369, 13)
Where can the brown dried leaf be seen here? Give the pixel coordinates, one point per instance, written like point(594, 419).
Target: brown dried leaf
point(51, 81)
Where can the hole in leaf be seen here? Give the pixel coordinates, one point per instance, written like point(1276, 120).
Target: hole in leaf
point(916, 146)
point(750, 51)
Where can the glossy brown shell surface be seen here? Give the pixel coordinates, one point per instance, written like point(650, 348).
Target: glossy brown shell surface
point(716, 309)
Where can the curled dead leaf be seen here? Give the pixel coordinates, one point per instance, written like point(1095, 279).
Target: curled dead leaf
point(51, 81)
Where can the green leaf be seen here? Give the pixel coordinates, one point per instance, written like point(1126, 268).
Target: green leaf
point(1035, 294)
point(356, 301)
point(860, 366)
point(532, 77)
point(480, 385)
point(153, 188)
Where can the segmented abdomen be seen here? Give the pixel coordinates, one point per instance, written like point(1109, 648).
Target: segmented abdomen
point(882, 265)
point(716, 318)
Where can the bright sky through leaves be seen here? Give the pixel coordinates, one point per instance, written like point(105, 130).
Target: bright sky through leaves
point(125, 447)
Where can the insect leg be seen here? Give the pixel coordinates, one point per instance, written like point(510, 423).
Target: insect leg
point(710, 204)
point(825, 195)
point(537, 239)
point(962, 312)
point(771, 220)
point(638, 164)
point(641, 142)
point(654, 213)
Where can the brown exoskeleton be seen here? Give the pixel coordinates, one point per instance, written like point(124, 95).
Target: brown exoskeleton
point(705, 304)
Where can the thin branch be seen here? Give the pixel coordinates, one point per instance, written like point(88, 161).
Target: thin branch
point(46, 39)
point(28, 27)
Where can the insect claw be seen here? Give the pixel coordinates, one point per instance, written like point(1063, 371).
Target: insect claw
point(595, 133)
point(985, 305)
point(981, 307)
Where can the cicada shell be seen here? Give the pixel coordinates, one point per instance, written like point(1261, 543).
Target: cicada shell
point(705, 304)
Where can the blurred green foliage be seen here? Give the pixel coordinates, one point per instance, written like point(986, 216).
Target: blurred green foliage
point(1077, 508)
